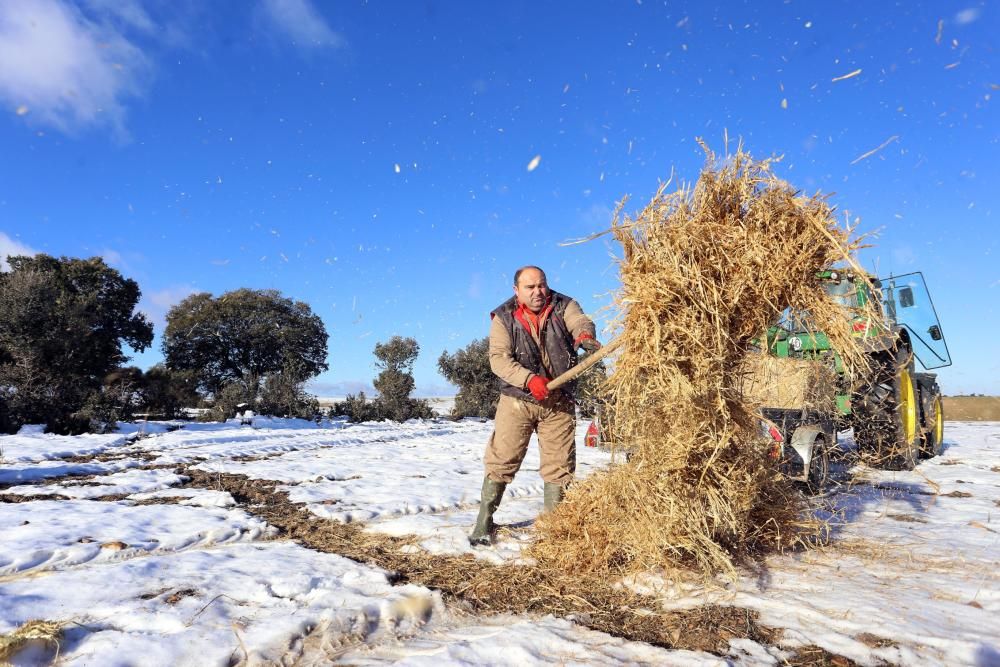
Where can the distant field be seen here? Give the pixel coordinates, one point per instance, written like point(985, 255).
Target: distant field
point(956, 408)
point(972, 408)
point(441, 405)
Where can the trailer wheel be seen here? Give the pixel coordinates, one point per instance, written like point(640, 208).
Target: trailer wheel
point(932, 438)
point(885, 414)
point(819, 466)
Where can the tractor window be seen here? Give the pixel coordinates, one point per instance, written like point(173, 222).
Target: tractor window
point(906, 297)
point(908, 305)
point(843, 292)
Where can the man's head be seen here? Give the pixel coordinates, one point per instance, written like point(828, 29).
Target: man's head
point(531, 288)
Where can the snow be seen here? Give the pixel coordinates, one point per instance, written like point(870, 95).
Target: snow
point(46, 535)
point(174, 575)
point(27, 472)
point(128, 482)
point(33, 445)
point(915, 568)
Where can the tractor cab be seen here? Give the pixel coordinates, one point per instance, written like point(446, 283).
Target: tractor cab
point(908, 307)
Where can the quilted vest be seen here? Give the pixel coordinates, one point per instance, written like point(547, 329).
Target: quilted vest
point(555, 336)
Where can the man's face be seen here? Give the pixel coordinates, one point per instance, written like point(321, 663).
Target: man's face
point(531, 289)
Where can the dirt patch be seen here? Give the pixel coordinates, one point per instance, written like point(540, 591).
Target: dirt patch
point(482, 588)
point(109, 498)
point(949, 462)
point(177, 596)
point(246, 458)
point(874, 641)
point(956, 494)
point(815, 656)
point(110, 456)
point(173, 598)
point(907, 518)
point(18, 498)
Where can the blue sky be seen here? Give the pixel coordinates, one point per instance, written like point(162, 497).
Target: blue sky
point(374, 159)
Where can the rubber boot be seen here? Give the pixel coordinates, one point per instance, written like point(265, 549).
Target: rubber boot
point(553, 496)
point(482, 534)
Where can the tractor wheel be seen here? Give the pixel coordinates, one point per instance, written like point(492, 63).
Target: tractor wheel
point(885, 414)
point(933, 434)
point(819, 466)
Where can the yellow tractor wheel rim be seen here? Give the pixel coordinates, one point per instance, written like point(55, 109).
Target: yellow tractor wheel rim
point(907, 405)
point(938, 421)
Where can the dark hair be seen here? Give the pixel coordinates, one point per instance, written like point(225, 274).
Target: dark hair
point(517, 274)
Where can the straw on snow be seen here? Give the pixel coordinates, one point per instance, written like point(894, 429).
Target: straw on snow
point(705, 271)
point(32, 631)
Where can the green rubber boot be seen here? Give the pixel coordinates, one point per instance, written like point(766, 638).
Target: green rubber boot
point(482, 534)
point(553, 496)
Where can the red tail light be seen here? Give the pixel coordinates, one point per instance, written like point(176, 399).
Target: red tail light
point(774, 453)
point(593, 435)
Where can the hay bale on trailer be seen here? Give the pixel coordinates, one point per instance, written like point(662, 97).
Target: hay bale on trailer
point(705, 270)
point(788, 384)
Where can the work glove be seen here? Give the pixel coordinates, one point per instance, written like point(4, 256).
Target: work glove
point(588, 343)
point(537, 387)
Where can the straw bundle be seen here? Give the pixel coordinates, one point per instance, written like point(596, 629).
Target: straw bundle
point(45, 632)
point(705, 271)
point(775, 382)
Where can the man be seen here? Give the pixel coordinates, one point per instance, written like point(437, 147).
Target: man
point(534, 336)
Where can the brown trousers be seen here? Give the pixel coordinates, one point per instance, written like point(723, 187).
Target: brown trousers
point(555, 422)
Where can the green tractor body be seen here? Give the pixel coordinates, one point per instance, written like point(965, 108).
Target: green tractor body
point(895, 411)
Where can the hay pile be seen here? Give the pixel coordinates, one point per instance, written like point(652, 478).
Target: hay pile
point(705, 271)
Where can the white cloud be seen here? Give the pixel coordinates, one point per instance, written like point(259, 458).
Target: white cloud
point(299, 21)
point(11, 248)
point(156, 304)
point(67, 70)
point(131, 13)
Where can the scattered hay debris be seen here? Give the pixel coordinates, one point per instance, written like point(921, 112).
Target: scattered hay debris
point(179, 595)
point(705, 271)
point(482, 588)
point(816, 656)
point(874, 641)
point(46, 632)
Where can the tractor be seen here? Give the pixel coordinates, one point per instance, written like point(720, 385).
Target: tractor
point(895, 411)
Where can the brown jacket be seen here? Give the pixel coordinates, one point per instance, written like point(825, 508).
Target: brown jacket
point(517, 351)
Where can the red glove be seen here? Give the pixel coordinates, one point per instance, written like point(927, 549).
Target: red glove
point(587, 342)
point(537, 387)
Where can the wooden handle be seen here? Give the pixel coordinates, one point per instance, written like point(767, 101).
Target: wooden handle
point(581, 367)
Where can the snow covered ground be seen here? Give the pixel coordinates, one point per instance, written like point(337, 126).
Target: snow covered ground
point(99, 533)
